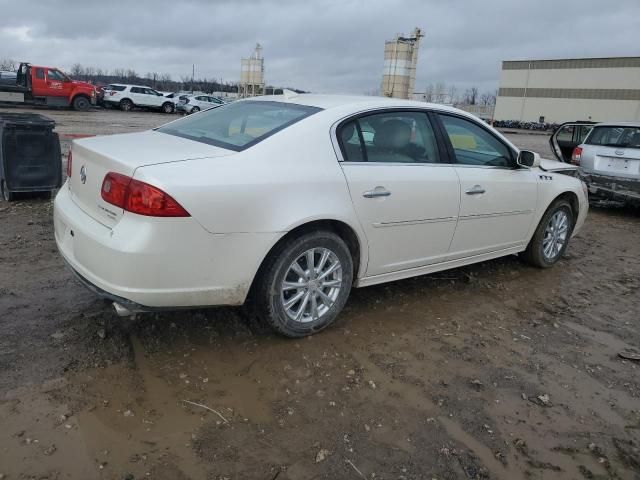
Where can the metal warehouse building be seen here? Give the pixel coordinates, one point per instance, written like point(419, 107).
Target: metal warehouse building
point(598, 89)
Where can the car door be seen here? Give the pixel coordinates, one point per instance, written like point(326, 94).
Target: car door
point(58, 84)
point(498, 199)
point(568, 136)
point(154, 98)
point(406, 200)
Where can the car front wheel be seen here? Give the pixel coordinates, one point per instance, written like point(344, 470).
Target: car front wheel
point(551, 238)
point(305, 284)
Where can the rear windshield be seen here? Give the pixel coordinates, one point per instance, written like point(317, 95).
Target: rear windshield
point(239, 125)
point(118, 88)
point(623, 137)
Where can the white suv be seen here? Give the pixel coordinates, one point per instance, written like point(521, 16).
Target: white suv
point(126, 97)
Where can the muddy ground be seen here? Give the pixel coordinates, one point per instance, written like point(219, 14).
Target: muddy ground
point(498, 370)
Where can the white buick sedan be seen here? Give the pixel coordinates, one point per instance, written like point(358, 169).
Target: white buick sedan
point(290, 201)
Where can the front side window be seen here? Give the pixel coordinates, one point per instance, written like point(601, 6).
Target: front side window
point(396, 137)
point(620, 137)
point(473, 145)
point(239, 125)
point(56, 75)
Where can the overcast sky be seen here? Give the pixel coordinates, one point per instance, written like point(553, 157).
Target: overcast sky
point(333, 46)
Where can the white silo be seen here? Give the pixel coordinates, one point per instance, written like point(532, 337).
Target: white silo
point(252, 74)
point(400, 60)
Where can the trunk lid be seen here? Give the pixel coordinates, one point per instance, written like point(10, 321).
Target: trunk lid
point(93, 158)
point(614, 161)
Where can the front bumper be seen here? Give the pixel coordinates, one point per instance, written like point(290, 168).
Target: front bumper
point(148, 263)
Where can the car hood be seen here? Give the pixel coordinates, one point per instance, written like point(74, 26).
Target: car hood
point(555, 166)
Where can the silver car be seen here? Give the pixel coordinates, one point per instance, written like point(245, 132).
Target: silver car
point(195, 103)
point(609, 160)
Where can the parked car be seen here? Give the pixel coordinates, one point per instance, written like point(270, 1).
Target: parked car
point(284, 200)
point(195, 103)
point(609, 160)
point(127, 97)
point(567, 137)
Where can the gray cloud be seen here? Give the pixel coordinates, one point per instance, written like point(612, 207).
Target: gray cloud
point(323, 45)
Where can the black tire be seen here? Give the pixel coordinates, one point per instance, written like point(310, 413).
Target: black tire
point(267, 301)
point(126, 105)
point(6, 194)
point(534, 254)
point(195, 110)
point(167, 107)
point(81, 103)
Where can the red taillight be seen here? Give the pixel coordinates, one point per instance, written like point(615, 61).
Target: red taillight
point(112, 92)
point(139, 197)
point(576, 155)
point(69, 160)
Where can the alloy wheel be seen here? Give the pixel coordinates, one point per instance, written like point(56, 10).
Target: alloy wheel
point(311, 285)
point(555, 235)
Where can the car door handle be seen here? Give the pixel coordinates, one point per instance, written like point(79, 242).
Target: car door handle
point(476, 190)
point(377, 192)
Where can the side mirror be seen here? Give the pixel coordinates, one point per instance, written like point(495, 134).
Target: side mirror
point(528, 159)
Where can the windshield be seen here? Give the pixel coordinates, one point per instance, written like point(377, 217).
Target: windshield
point(239, 125)
point(623, 137)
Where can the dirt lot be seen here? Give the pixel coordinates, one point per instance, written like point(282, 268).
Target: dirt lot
point(497, 371)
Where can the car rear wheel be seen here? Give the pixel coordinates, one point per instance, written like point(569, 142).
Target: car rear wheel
point(6, 194)
point(126, 105)
point(551, 238)
point(195, 109)
point(167, 107)
point(304, 284)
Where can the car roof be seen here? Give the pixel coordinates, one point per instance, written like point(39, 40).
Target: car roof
point(618, 124)
point(130, 85)
point(360, 101)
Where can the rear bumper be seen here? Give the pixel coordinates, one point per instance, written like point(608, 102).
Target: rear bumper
point(147, 263)
point(612, 186)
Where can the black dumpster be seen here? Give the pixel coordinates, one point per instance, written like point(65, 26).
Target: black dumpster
point(30, 157)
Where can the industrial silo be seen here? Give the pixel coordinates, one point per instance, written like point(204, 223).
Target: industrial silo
point(252, 74)
point(400, 60)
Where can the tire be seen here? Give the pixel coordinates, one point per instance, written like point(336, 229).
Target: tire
point(167, 107)
point(536, 254)
point(6, 194)
point(81, 103)
point(195, 110)
point(271, 294)
point(126, 105)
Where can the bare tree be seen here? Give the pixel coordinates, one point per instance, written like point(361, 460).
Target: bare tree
point(76, 70)
point(488, 98)
point(471, 96)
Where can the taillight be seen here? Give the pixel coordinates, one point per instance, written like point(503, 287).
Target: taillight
point(576, 155)
point(69, 160)
point(139, 197)
point(112, 92)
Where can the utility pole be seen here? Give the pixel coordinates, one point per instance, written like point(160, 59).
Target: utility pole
point(193, 72)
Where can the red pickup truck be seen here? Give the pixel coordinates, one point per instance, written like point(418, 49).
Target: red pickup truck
point(47, 86)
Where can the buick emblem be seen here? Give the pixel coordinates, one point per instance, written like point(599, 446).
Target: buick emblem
point(83, 174)
point(619, 152)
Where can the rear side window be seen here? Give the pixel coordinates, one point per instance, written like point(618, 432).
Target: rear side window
point(389, 137)
point(239, 125)
point(138, 90)
point(622, 137)
point(40, 73)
